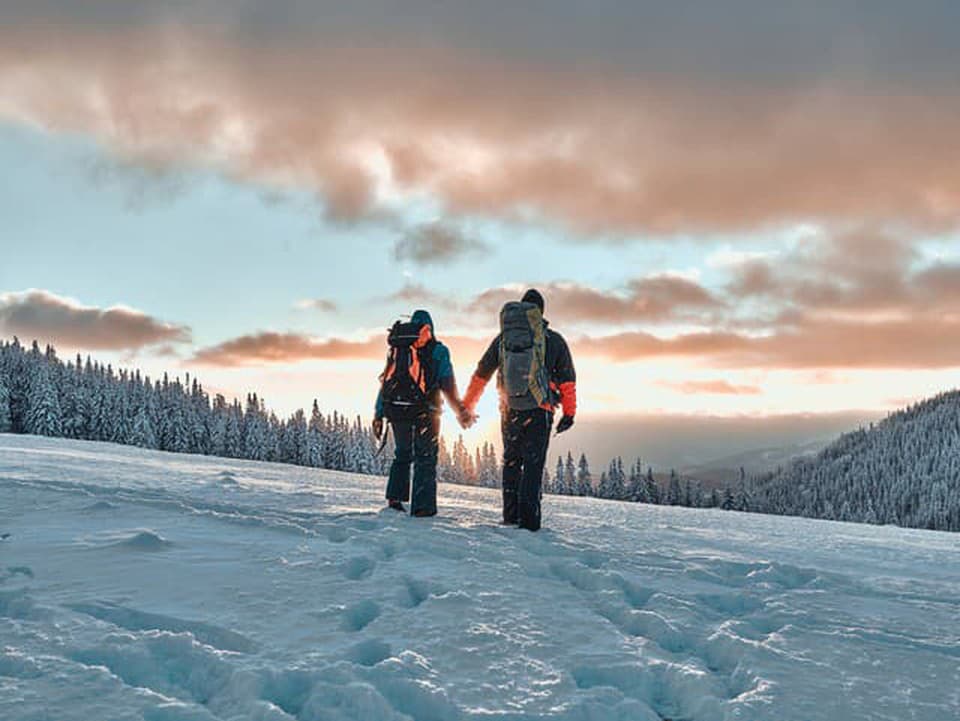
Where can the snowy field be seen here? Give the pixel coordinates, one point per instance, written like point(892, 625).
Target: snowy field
point(143, 585)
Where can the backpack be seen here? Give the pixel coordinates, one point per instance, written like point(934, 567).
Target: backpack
point(523, 350)
point(407, 380)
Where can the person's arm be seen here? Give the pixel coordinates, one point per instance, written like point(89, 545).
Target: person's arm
point(487, 366)
point(564, 375)
point(377, 424)
point(446, 378)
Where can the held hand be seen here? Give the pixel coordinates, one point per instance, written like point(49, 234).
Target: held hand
point(466, 417)
point(378, 428)
point(565, 424)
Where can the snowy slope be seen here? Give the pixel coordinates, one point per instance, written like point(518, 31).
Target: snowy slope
point(143, 585)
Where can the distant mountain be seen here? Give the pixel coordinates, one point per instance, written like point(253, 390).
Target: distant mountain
point(904, 470)
point(726, 470)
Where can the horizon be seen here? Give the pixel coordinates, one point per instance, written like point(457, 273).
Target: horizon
point(745, 222)
point(668, 442)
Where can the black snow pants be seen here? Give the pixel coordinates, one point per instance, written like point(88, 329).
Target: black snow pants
point(526, 435)
point(417, 442)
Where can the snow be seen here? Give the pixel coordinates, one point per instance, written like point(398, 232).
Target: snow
point(145, 585)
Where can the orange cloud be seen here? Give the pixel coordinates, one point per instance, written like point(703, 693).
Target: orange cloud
point(596, 148)
point(51, 318)
point(270, 347)
point(651, 299)
point(719, 387)
point(913, 343)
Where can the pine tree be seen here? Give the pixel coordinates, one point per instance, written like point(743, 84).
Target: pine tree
point(142, 433)
point(674, 494)
point(6, 422)
point(652, 489)
point(43, 410)
point(727, 503)
point(560, 485)
point(570, 476)
point(445, 469)
point(584, 479)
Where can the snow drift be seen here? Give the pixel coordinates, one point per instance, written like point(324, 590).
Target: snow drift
point(145, 585)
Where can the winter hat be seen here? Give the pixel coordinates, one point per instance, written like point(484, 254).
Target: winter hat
point(533, 296)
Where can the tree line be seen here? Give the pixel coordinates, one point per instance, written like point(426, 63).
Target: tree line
point(903, 471)
point(85, 400)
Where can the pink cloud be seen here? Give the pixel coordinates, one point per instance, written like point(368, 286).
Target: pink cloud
point(48, 317)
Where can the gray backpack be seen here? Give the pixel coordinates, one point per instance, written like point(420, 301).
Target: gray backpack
point(523, 350)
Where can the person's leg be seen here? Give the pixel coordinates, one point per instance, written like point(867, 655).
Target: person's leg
point(398, 484)
point(536, 437)
point(512, 462)
point(426, 445)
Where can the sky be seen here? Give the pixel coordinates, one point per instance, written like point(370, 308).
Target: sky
point(743, 217)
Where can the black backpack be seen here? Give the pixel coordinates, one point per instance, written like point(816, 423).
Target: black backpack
point(523, 351)
point(407, 381)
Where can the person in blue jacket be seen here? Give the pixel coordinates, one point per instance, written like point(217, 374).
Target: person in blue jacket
point(416, 430)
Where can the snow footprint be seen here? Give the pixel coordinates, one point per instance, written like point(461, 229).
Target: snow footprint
point(135, 620)
point(416, 591)
point(370, 652)
point(357, 568)
point(358, 616)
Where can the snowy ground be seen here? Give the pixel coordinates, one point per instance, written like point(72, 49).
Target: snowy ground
point(139, 585)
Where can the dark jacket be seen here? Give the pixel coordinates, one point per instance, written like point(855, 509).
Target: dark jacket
point(560, 370)
point(442, 377)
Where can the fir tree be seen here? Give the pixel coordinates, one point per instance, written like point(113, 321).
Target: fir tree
point(674, 494)
point(584, 479)
point(560, 478)
point(43, 410)
point(6, 422)
point(651, 487)
point(570, 476)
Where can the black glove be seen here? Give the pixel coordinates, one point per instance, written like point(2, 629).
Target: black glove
point(565, 424)
point(378, 428)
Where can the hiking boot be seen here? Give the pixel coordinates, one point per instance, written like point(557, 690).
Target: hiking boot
point(424, 514)
point(396, 505)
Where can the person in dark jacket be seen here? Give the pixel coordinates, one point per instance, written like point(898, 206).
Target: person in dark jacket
point(526, 433)
point(417, 434)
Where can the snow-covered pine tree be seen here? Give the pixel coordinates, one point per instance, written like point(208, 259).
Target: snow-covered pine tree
point(6, 423)
point(651, 487)
point(636, 489)
point(142, 433)
point(560, 479)
point(584, 479)
point(43, 409)
point(315, 437)
point(674, 494)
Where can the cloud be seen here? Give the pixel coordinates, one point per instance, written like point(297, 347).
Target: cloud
point(652, 299)
point(436, 244)
point(809, 344)
point(416, 294)
point(636, 122)
point(324, 305)
point(271, 347)
point(48, 317)
point(720, 387)
point(286, 348)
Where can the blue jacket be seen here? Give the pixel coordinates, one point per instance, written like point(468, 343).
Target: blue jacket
point(443, 368)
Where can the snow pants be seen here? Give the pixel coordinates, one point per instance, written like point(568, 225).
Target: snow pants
point(417, 442)
point(526, 435)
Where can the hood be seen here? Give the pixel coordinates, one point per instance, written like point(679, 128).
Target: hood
point(422, 316)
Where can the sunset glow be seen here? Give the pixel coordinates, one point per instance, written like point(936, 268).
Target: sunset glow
point(748, 216)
